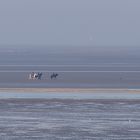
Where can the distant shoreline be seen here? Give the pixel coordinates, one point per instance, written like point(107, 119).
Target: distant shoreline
point(69, 90)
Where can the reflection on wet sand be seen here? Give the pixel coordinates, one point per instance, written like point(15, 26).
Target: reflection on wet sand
point(69, 119)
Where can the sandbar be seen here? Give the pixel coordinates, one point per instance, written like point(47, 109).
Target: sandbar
point(69, 90)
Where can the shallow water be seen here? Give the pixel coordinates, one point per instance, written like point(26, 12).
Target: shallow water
point(85, 67)
point(77, 78)
point(70, 95)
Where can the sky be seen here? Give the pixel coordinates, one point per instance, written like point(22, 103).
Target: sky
point(70, 22)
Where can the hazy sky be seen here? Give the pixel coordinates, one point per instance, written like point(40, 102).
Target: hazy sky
point(70, 22)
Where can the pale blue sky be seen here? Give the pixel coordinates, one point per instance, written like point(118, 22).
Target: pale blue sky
point(70, 22)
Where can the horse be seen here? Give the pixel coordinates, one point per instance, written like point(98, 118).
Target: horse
point(54, 75)
point(34, 76)
point(39, 75)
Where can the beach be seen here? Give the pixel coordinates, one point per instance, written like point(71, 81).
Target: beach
point(93, 97)
point(69, 119)
point(71, 90)
point(69, 70)
point(69, 113)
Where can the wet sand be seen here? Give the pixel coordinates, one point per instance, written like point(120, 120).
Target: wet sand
point(68, 93)
point(69, 119)
point(70, 90)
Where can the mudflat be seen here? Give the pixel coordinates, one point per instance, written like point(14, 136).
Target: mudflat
point(69, 119)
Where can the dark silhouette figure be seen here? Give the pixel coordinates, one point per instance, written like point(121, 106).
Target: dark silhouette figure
point(54, 75)
point(39, 75)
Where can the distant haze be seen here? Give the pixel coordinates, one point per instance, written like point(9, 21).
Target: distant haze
point(70, 22)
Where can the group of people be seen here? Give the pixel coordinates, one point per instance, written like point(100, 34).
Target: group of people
point(38, 76)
